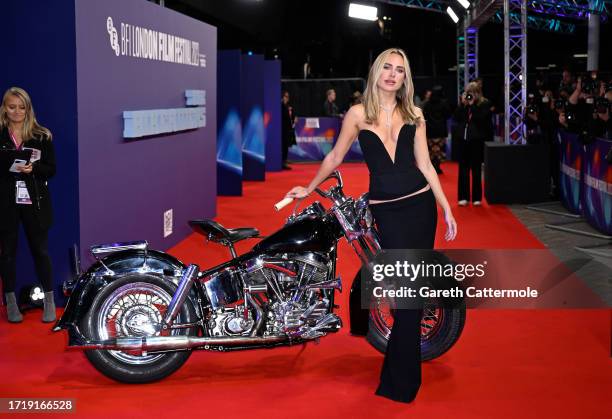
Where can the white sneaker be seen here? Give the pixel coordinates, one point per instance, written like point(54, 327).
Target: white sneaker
point(463, 203)
point(476, 203)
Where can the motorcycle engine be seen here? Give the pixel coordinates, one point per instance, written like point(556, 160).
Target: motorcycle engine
point(280, 295)
point(231, 322)
point(298, 293)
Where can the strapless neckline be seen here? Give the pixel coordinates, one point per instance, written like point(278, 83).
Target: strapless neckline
point(380, 141)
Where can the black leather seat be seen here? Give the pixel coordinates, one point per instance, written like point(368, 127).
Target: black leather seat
point(217, 233)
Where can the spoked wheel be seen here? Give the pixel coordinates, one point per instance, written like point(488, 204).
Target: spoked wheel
point(440, 328)
point(134, 306)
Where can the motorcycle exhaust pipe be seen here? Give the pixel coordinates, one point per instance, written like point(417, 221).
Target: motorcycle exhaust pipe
point(175, 343)
point(190, 274)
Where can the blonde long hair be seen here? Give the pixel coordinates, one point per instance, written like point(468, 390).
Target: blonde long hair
point(31, 127)
point(474, 88)
point(404, 96)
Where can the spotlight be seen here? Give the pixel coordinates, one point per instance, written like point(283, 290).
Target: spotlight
point(36, 296)
point(452, 14)
point(31, 296)
point(359, 11)
point(464, 3)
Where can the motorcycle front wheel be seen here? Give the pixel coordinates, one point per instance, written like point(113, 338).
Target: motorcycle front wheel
point(133, 306)
point(440, 328)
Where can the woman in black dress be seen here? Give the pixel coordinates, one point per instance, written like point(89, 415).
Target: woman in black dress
point(403, 191)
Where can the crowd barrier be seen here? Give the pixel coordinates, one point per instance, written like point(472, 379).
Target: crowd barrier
point(585, 180)
point(315, 137)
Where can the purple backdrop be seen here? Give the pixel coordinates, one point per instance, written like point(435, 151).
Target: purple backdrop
point(125, 186)
point(272, 115)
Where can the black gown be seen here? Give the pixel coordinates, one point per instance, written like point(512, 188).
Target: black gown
point(408, 223)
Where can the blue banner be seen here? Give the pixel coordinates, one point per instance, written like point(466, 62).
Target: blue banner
point(316, 137)
point(597, 186)
point(272, 115)
point(570, 176)
point(229, 124)
point(252, 107)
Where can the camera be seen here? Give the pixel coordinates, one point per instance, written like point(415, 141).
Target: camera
point(531, 109)
point(602, 105)
point(589, 84)
point(559, 103)
point(570, 116)
point(469, 97)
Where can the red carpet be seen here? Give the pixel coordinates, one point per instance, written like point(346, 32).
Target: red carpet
point(512, 363)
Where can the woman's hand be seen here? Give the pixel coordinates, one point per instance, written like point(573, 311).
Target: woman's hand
point(451, 226)
point(298, 192)
point(27, 168)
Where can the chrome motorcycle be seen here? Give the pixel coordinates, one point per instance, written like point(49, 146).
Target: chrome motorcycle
point(138, 313)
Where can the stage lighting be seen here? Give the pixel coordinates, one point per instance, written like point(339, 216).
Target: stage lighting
point(36, 295)
point(359, 11)
point(464, 3)
point(452, 14)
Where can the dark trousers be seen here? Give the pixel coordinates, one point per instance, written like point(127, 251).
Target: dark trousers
point(405, 224)
point(470, 160)
point(285, 151)
point(287, 140)
point(38, 242)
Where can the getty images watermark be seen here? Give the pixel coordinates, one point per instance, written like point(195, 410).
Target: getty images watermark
point(531, 278)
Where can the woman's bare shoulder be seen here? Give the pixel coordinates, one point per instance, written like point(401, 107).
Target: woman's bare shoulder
point(356, 114)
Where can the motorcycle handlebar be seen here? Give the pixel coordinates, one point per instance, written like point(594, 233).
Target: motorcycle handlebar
point(282, 203)
point(334, 175)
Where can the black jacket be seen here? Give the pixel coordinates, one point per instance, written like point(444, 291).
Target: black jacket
point(479, 127)
point(36, 182)
point(436, 114)
point(330, 108)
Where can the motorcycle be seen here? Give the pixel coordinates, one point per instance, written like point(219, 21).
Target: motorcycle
point(138, 313)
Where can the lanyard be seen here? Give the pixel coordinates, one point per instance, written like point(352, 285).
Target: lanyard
point(465, 131)
point(17, 146)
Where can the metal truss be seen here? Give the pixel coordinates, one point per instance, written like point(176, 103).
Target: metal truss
point(572, 9)
point(515, 66)
point(540, 23)
point(471, 53)
point(431, 5)
point(460, 60)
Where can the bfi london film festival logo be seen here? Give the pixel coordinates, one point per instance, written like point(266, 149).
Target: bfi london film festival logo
point(139, 42)
point(113, 36)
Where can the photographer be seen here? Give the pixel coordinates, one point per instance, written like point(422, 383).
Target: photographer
point(532, 122)
point(473, 119)
point(600, 124)
point(567, 84)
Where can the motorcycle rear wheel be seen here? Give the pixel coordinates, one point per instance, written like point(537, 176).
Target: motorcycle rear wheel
point(130, 307)
point(440, 329)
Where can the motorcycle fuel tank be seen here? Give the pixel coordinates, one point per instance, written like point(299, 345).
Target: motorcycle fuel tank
point(307, 234)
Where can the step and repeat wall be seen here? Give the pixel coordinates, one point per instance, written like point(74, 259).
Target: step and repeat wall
point(128, 89)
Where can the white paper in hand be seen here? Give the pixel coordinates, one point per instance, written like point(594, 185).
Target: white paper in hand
point(17, 163)
point(35, 154)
